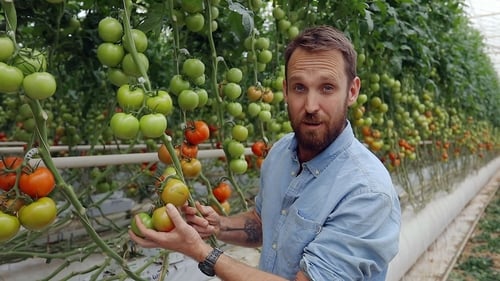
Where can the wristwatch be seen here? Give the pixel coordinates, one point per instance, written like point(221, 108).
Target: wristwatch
point(207, 266)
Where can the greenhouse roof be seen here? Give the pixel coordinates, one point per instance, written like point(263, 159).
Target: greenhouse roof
point(485, 16)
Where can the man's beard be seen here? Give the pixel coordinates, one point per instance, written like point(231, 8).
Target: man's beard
point(318, 140)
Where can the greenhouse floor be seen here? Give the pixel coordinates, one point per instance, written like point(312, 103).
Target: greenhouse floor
point(437, 262)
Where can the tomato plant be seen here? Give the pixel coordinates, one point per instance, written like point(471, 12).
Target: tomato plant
point(222, 191)
point(8, 165)
point(196, 132)
point(39, 214)
point(161, 220)
point(146, 220)
point(131, 68)
point(38, 183)
point(175, 192)
point(10, 226)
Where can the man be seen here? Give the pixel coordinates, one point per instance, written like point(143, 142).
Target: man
point(326, 208)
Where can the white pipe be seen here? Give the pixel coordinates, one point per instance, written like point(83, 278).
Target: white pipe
point(420, 230)
point(121, 159)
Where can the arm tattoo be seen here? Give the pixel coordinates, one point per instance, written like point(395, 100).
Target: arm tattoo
point(252, 229)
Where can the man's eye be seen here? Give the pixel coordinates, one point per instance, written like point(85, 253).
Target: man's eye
point(298, 88)
point(328, 88)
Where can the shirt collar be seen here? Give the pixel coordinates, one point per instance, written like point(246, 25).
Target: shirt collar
point(322, 160)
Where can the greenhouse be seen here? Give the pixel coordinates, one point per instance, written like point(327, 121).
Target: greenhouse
point(249, 140)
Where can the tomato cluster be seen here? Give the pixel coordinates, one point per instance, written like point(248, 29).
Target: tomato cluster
point(25, 70)
point(34, 210)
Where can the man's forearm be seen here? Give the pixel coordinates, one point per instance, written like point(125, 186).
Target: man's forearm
point(244, 229)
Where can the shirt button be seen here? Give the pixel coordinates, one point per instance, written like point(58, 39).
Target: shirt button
point(317, 172)
point(283, 212)
point(292, 173)
point(274, 246)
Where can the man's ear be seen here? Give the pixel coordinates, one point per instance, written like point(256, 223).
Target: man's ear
point(354, 91)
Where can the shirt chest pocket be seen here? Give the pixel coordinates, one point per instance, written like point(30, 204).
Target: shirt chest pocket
point(298, 231)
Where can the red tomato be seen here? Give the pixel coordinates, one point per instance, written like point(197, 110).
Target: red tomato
point(197, 132)
point(38, 183)
point(222, 191)
point(161, 220)
point(8, 178)
point(189, 150)
point(259, 148)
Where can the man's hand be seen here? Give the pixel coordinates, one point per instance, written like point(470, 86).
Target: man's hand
point(208, 224)
point(183, 238)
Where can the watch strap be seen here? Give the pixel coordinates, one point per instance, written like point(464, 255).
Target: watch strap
point(207, 266)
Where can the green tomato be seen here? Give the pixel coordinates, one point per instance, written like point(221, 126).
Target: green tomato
point(140, 41)
point(195, 22)
point(265, 56)
point(278, 13)
point(293, 32)
point(202, 97)
point(30, 61)
point(110, 30)
point(193, 68)
point(239, 132)
point(188, 100)
point(10, 226)
point(178, 84)
point(265, 116)
point(124, 126)
point(238, 166)
point(235, 149)
point(232, 90)
point(110, 54)
point(7, 48)
point(11, 78)
point(234, 109)
point(146, 220)
point(262, 43)
point(39, 214)
point(253, 109)
point(130, 98)
point(192, 6)
point(234, 75)
point(161, 103)
point(131, 68)
point(284, 25)
point(153, 125)
point(117, 77)
point(39, 85)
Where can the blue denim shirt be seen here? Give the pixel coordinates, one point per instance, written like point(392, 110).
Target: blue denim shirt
point(339, 219)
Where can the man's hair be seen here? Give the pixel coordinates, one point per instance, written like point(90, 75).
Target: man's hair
point(325, 38)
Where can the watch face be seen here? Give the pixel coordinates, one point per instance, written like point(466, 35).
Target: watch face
point(206, 269)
